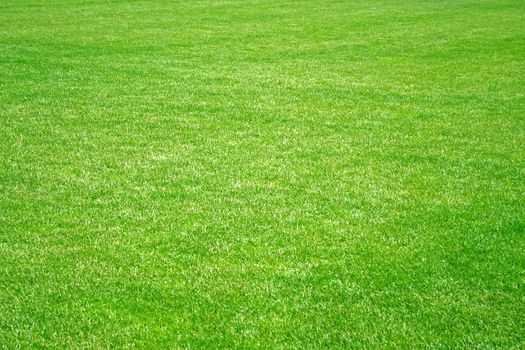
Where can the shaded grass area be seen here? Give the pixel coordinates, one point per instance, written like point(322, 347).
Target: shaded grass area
point(262, 174)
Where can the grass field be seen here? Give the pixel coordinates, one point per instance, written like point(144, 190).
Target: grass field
point(262, 174)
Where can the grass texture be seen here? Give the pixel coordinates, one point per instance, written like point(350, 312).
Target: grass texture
point(262, 174)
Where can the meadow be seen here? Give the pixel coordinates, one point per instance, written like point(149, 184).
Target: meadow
point(262, 174)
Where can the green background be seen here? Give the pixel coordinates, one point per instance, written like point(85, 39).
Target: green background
point(262, 174)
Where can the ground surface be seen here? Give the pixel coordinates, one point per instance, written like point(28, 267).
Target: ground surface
point(262, 174)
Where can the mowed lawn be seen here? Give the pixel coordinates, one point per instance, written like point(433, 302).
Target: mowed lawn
point(262, 174)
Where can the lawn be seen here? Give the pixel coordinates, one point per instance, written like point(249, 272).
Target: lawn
point(262, 174)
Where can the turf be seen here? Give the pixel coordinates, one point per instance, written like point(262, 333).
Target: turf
point(262, 174)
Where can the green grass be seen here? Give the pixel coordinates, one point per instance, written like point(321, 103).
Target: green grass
point(262, 174)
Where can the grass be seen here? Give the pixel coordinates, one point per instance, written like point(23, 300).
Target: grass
point(262, 174)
